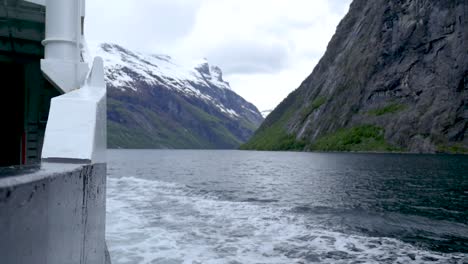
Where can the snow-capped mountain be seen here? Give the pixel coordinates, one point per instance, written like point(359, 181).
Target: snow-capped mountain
point(154, 101)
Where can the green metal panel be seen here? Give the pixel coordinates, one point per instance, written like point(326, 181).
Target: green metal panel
point(21, 31)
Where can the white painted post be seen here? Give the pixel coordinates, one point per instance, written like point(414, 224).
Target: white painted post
point(76, 129)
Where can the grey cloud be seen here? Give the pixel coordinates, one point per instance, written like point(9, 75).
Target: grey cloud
point(338, 5)
point(143, 24)
point(244, 57)
point(168, 21)
point(274, 52)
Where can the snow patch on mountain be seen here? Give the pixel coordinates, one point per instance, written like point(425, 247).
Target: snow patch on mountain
point(125, 69)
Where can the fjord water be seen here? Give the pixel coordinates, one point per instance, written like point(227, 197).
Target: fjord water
point(168, 206)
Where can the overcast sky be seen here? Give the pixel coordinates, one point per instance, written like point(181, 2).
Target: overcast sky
point(265, 48)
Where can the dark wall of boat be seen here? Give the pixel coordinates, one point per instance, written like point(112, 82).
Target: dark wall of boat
point(53, 215)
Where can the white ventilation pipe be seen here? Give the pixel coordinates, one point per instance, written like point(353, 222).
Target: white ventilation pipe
point(62, 63)
point(61, 36)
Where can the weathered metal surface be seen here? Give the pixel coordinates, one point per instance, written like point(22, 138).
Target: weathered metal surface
point(54, 215)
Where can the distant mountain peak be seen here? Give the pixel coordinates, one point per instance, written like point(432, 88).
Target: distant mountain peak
point(213, 74)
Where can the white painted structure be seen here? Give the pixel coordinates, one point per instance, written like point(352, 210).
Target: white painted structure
point(76, 128)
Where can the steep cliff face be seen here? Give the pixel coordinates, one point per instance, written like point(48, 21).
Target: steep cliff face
point(156, 102)
point(394, 78)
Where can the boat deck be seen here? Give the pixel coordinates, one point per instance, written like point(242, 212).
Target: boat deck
point(14, 175)
point(15, 171)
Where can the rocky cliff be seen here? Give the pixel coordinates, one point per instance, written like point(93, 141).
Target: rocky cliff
point(156, 102)
point(394, 78)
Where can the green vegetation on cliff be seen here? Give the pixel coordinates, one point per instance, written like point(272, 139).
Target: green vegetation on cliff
point(272, 134)
point(453, 149)
point(360, 138)
point(274, 137)
point(316, 104)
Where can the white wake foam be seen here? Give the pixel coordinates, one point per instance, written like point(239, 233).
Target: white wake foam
point(156, 222)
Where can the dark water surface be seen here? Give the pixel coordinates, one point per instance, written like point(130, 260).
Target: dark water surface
point(263, 207)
